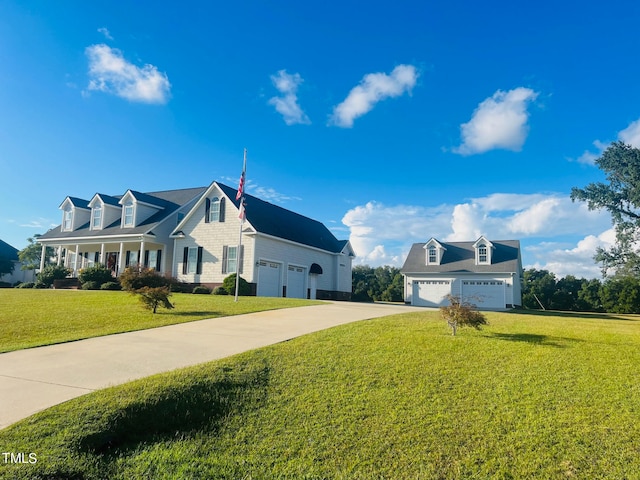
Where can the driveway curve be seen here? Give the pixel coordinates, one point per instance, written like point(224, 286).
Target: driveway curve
point(37, 378)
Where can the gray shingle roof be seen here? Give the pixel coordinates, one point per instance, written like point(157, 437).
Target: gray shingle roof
point(169, 200)
point(7, 251)
point(459, 257)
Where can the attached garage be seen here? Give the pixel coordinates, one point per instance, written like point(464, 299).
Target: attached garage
point(296, 285)
point(485, 294)
point(431, 293)
point(269, 275)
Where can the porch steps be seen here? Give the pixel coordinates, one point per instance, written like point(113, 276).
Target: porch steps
point(67, 283)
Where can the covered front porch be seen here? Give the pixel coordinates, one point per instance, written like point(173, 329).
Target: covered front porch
point(114, 254)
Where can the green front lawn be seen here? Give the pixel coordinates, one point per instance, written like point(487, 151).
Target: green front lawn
point(530, 396)
point(31, 317)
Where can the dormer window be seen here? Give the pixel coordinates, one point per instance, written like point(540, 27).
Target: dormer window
point(67, 219)
point(482, 253)
point(484, 249)
point(433, 254)
point(128, 215)
point(96, 217)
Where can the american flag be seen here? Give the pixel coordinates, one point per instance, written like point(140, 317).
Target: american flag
point(241, 183)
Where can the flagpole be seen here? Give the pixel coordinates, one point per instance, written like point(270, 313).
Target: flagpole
point(242, 215)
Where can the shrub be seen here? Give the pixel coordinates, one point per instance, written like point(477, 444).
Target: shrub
point(154, 297)
point(97, 273)
point(91, 285)
point(220, 291)
point(5, 285)
point(201, 290)
point(110, 286)
point(461, 313)
point(133, 279)
point(229, 285)
point(51, 273)
point(26, 285)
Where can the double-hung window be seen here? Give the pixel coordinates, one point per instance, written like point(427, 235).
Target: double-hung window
point(67, 219)
point(128, 215)
point(433, 254)
point(96, 217)
point(482, 253)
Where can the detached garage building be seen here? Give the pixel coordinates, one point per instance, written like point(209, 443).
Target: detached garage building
point(486, 273)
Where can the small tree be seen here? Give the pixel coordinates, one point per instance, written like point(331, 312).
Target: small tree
point(460, 313)
point(154, 297)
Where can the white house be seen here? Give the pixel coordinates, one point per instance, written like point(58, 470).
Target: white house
point(193, 235)
point(486, 273)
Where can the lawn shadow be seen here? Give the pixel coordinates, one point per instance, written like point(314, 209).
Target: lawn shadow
point(179, 411)
point(546, 340)
point(203, 313)
point(566, 314)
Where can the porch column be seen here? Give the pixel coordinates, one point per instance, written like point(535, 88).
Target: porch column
point(59, 255)
point(75, 267)
point(120, 258)
point(141, 259)
point(42, 256)
point(163, 260)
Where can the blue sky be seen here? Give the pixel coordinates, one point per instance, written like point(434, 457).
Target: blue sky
point(389, 122)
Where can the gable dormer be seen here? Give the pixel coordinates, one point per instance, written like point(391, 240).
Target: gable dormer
point(75, 213)
point(136, 208)
point(434, 251)
point(483, 251)
point(104, 211)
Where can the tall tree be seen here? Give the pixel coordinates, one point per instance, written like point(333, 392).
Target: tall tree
point(621, 198)
point(31, 254)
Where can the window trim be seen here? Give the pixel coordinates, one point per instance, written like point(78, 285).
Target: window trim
point(125, 207)
point(67, 219)
point(100, 211)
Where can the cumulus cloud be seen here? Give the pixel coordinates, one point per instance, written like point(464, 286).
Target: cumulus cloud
point(287, 104)
point(576, 261)
point(631, 134)
point(383, 234)
point(373, 88)
point(109, 72)
point(499, 122)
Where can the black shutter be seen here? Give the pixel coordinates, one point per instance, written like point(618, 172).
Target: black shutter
point(126, 258)
point(199, 265)
point(221, 215)
point(185, 259)
point(241, 258)
point(158, 260)
point(96, 257)
point(146, 259)
point(207, 210)
point(224, 258)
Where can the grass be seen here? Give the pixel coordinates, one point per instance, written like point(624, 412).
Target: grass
point(31, 317)
point(529, 396)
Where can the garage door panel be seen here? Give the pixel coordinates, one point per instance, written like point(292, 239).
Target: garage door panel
point(431, 293)
point(484, 293)
point(295, 282)
point(269, 279)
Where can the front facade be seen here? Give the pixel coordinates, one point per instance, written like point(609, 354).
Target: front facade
point(10, 253)
point(193, 235)
point(485, 273)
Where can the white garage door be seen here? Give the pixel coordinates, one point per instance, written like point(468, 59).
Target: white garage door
point(269, 279)
point(484, 293)
point(295, 282)
point(431, 293)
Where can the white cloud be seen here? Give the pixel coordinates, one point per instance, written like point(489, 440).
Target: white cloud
point(576, 261)
point(287, 105)
point(104, 31)
point(109, 72)
point(499, 122)
point(631, 134)
point(373, 88)
point(382, 234)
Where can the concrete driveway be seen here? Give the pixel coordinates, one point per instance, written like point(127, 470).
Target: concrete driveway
point(37, 378)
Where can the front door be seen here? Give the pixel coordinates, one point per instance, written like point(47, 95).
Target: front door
point(112, 262)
